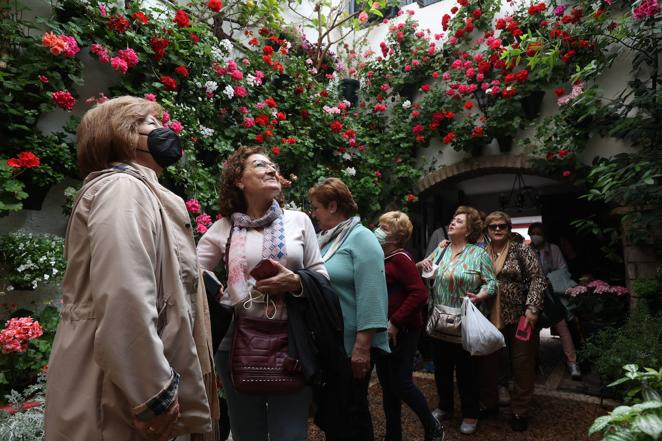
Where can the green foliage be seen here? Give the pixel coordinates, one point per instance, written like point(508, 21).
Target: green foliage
point(650, 291)
point(640, 421)
point(28, 259)
point(638, 341)
point(12, 191)
point(26, 421)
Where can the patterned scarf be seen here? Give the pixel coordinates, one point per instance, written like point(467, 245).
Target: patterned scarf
point(337, 234)
point(273, 247)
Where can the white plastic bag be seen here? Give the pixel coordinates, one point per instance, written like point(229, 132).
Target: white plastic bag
point(479, 335)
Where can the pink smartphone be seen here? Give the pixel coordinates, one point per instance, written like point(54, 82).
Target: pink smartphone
point(523, 331)
point(264, 269)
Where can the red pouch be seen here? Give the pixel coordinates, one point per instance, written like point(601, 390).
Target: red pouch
point(523, 331)
point(264, 269)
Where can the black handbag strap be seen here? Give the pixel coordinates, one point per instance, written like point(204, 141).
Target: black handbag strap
point(227, 249)
point(441, 256)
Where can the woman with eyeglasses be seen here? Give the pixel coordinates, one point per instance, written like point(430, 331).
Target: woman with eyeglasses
point(520, 287)
point(258, 228)
point(465, 270)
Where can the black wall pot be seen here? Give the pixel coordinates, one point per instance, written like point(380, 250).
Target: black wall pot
point(349, 89)
point(505, 143)
point(532, 103)
point(36, 197)
point(408, 91)
point(281, 81)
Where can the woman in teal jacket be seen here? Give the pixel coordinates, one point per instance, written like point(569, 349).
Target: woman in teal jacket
point(355, 263)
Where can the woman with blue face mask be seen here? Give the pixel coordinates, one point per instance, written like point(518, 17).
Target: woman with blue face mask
point(407, 296)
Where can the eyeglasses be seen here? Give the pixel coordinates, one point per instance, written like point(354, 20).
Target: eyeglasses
point(495, 227)
point(265, 164)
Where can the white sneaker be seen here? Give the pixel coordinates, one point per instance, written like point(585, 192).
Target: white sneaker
point(468, 428)
point(575, 373)
point(504, 396)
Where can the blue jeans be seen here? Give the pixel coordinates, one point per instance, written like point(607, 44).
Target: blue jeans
point(264, 417)
point(395, 375)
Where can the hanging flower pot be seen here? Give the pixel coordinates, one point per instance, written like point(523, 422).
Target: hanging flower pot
point(408, 90)
point(281, 81)
point(36, 197)
point(349, 88)
point(532, 103)
point(505, 143)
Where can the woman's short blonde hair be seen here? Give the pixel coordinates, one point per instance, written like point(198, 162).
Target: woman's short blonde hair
point(400, 226)
point(474, 223)
point(496, 215)
point(108, 132)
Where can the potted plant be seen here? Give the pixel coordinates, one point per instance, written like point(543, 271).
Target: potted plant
point(503, 120)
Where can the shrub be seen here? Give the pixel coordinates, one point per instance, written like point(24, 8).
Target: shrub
point(30, 259)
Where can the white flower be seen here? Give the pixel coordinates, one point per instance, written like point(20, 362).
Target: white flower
point(206, 131)
point(46, 277)
point(349, 171)
point(228, 91)
point(227, 45)
point(217, 53)
point(406, 104)
point(10, 288)
point(346, 156)
point(34, 284)
point(211, 86)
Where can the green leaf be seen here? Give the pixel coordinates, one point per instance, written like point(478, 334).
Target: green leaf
point(650, 424)
point(599, 424)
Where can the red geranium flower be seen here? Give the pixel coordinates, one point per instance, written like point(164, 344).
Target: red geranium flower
point(336, 126)
point(566, 173)
point(182, 71)
point(118, 23)
point(64, 99)
point(215, 5)
point(563, 153)
point(141, 17)
point(270, 102)
point(169, 82)
point(468, 105)
point(262, 120)
point(411, 198)
point(559, 91)
point(275, 150)
point(181, 19)
point(159, 46)
point(450, 136)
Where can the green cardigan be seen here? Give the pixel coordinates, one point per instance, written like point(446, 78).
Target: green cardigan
point(357, 274)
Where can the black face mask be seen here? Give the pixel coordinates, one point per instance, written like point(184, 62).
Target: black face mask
point(164, 146)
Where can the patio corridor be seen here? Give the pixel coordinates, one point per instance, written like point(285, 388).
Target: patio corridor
point(562, 409)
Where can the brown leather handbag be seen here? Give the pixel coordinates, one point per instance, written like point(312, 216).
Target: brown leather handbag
point(260, 364)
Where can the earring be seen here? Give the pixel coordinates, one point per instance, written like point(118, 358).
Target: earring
point(241, 186)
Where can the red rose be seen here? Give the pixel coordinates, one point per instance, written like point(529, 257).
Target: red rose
point(559, 91)
point(411, 198)
point(563, 153)
point(275, 150)
point(181, 71)
point(215, 5)
point(450, 136)
point(468, 105)
point(566, 173)
point(169, 82)
point(181, 19)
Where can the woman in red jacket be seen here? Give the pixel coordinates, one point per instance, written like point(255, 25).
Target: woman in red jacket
point(407, 297)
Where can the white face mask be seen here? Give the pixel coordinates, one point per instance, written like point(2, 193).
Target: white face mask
point(537, 240)
point(380, 235)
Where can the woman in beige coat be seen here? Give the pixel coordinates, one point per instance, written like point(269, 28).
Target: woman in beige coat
point(131, 358)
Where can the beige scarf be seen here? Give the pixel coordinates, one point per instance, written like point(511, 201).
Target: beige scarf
point(498, 260)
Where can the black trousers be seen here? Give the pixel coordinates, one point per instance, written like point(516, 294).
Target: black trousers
point(449, 359)
point(357, 425)
point(395, 375)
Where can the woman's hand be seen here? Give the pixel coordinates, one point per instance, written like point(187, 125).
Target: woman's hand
point(444, 243)
point(392, 332)
point(531, 318)
point(160, 427)
point(424, 265)
point(476, 298)
point(283, 282)
point(360, 361)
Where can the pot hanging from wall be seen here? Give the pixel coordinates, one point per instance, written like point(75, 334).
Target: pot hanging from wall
point(408, 91)
point(532, 103)
point(505, 143)
point(349, 89)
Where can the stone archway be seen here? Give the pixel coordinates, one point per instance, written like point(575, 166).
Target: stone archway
point(475, 167)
